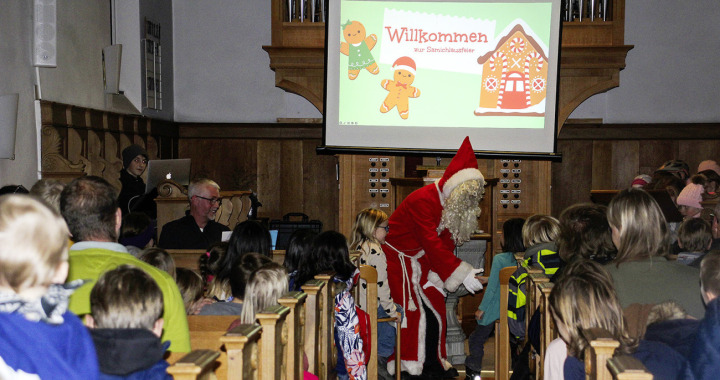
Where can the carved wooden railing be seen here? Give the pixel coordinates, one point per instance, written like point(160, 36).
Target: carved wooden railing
point(78, 141)
point(592, 52)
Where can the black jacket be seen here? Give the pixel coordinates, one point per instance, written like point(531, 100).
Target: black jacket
point(133, 198)
point(184, 233)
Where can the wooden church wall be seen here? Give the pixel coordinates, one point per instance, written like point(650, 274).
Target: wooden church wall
point(277, 161)
point(609, 156)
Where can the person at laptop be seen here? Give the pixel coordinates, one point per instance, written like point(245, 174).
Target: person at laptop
point(197, 229)
point(132, 195)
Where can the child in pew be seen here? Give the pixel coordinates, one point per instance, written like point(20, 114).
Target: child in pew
point(191, 287)
point(239, 275)
point(126, 324)
point(329, 252)
point(159, 258)
point(265, 287)
point(489, 310)
point(298, 246)
point(694, 239)
point(669, 323)
point(39, 338)
point(539, 234)
point(705, 357)
point(137, 232)
point(585, 298)
point(368, 234)
point(209, 264)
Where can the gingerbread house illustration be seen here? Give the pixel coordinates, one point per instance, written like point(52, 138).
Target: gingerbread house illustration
point(514, 76)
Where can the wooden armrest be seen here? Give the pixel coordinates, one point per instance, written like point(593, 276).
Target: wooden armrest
point(194, 365)
point(627, 367)
point(388, 319)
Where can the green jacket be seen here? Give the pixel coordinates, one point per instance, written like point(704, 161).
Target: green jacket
point(92, 262)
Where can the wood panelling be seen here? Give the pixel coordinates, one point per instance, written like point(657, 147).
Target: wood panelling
point(608, 157)
point(277, 161)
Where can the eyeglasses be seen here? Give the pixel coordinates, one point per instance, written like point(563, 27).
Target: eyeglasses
point(386, 228)
point(212, 200)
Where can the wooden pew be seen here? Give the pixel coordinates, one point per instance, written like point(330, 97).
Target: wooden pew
point(295, 302)
point(601, 348)
point(534, 298)
point(602, 364)
point(312, 320)
point(502, 331)
point(241, 344)
point(326, 323)
point(624, 367)
point(273, 342)
point(197, 365)
point(190, 258)
point(547, 325)
point(369, 274)
point(205, 333)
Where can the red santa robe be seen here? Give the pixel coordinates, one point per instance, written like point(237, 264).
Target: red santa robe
point(419, 260)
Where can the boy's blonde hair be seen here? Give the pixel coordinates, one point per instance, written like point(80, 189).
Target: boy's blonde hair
point(366, 222)
point(33, 242)
point(694, 235)
point(160, 259)
point(540, 229)
point(583, 298)
point(265, 286)
point(641, 225)
point(191, 286)
point(48, 190)
point(710, 273)
point(125, 298)
point(666, 311)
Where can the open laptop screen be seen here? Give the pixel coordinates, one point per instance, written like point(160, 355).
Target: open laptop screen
point(177, 170)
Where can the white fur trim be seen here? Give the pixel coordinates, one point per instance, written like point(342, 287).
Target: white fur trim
point(457, 276)
point(404, 67)
point(459, 177)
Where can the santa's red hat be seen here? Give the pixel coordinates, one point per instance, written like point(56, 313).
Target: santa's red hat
point(404, 63)
point(463, 167)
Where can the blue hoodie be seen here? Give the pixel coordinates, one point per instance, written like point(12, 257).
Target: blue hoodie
point(62, 351)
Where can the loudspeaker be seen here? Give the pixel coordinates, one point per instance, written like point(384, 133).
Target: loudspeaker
point(111, 56)
point(45, 33)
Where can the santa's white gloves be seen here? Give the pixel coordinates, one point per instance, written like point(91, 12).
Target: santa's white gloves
point(471, 283)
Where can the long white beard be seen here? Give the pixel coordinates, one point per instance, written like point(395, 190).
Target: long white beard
point(461, 210)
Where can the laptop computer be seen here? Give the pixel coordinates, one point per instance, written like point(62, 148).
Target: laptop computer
point(177, 170)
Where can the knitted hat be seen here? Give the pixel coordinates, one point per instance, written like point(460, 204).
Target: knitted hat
point(691, 195)
point(404, 63)
point(641, 180)
point(129, 154)
point(463, 167)
point(709, 165)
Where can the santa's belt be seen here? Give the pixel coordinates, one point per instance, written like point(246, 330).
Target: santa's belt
point(410, 306)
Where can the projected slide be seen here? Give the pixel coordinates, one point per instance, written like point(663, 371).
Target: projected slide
point(438, 68)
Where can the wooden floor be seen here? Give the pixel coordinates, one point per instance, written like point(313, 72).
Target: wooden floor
point(488, 366)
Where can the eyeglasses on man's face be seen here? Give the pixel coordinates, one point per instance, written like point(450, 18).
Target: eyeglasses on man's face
point(212, 200)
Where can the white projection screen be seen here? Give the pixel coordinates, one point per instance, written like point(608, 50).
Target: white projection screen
point(416, 77)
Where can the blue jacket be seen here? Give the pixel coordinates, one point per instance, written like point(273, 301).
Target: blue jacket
point(662, 361)
point(63, 351)
point(705, 359)
point(131, 354)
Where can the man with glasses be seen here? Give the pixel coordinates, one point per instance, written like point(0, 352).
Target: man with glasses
point(197, 229)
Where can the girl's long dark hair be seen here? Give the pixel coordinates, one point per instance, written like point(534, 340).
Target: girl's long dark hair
point(329, 252)
point(248, 236)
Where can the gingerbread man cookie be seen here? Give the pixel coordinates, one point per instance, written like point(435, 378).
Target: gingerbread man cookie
point(357, 48)
point(400, 88)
